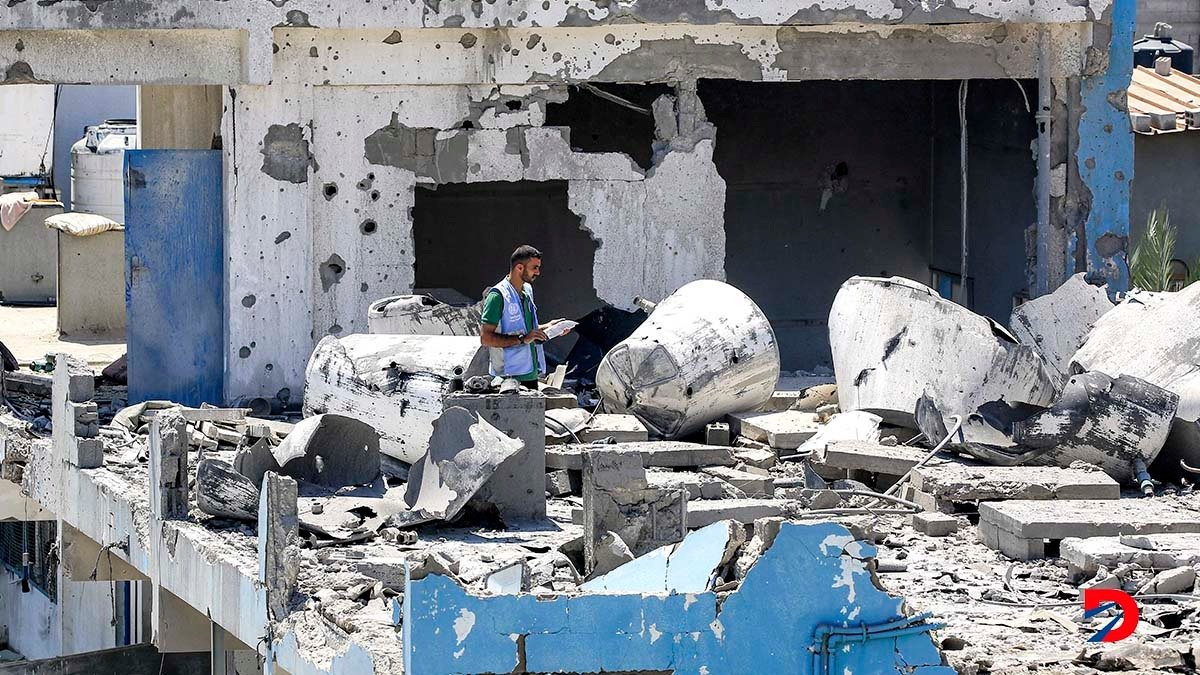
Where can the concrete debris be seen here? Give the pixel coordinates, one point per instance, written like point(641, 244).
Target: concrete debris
point(1134, 656)
point(278, 543)
point(618, 428)
point(1177, 580)
point(1058, 324)
point(894, 339)
point(950, 483)
point(839, 458)
point(668, 454)
point(756, 457)
point(855, 425)
point(609, 553)
point(705, 351)
point(617, 498)
point(1109, 422)
point(464, 452)
point(935, 524)
point(562, 482)
point(748, 484)
point(333, 451)
point(815, 397)
point(691, 566)
point(395, 383)
point(223, 492)
point(709, 511)
point(422, 315)
point(764, 532)
point(717, 433)
point(1149, 551)
point(785, 430)
point(168, 466)
point(1020, 529)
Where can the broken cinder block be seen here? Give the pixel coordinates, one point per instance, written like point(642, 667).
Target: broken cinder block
point(935, 524)
point(168, 466)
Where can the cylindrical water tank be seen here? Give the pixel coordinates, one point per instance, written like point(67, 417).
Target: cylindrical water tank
point(706, 351)
point(395, 383)
point(97, 168)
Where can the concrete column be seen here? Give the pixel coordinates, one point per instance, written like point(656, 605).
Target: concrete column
point(177, 116)
point(76, 428)
point(278, 542)
point(168, 466)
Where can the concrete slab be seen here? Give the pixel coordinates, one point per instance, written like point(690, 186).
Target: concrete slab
point(752, 484)
point(1155, 551)
point(785, 430)
point(620, 428)
point(708, 511)
point(654, 454)
point(892, 460)
point(967, 482)
point(1019, 529)
point(935, 524)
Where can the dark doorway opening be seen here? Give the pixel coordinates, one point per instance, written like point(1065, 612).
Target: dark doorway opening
point(826, 180)
point(464, 234)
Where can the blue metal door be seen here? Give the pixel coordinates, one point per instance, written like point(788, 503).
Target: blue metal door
point(174, 275)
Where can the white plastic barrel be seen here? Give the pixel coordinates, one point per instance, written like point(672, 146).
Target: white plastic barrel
point(97, 168)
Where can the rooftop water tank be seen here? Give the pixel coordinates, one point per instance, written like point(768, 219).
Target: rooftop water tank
point(1151, 47)
point(97, 168)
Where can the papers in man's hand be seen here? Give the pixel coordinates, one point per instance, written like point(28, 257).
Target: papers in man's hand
point(559, 328)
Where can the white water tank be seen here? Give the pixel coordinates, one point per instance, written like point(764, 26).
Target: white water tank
point(97, 168)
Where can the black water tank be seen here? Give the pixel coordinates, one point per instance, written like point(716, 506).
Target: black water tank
point(1149, 48)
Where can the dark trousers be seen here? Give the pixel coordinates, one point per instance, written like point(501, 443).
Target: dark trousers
point(529, 384)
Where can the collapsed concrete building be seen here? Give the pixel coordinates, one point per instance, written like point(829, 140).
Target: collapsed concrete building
point(359, 151)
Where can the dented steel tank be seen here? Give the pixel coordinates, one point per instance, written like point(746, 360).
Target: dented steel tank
point(704, 352)
point(395, 383)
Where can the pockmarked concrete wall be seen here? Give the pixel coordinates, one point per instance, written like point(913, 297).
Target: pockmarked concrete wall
point(321, 98)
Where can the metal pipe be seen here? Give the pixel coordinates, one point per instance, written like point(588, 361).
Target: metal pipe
point(1043, 118)
point(958, 420)
point(965, 297)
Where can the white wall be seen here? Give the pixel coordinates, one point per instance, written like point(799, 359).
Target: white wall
point(80, 622)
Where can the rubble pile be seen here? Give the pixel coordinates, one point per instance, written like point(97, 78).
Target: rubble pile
point(998, 474)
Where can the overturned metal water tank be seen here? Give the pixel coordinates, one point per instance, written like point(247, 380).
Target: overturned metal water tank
point(895, 339)
point(704, 352)
point(422, 315)
point(395, 383)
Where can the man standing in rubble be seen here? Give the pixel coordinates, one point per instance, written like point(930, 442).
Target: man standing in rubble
point(510, 328)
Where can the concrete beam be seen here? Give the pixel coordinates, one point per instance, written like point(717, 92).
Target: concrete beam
point(178, 627)
point(83, 559)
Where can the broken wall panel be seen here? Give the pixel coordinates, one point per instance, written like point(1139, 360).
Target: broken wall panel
point(451, 631)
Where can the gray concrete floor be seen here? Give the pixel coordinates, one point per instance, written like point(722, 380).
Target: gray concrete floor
point(32, 332)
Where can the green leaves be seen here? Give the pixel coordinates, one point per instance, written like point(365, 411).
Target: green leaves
point(1150, 264)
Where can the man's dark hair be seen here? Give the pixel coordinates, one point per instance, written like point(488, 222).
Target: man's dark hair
point(523, 254)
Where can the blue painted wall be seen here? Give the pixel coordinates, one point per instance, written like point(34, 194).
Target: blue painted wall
point(174, 275)
point(767, 626)
point(1105, 154)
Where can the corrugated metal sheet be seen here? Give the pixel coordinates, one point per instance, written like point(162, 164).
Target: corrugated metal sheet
point(1151, 94)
